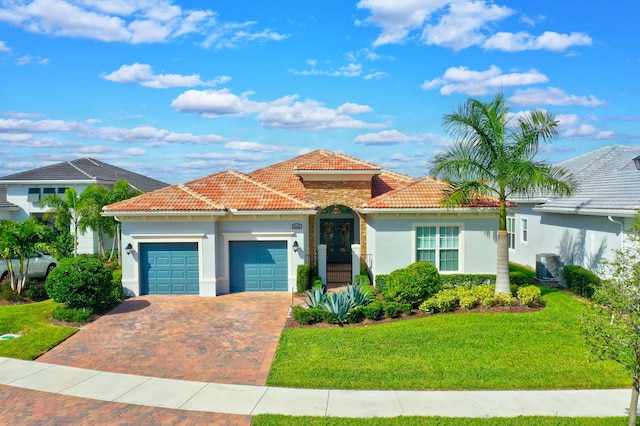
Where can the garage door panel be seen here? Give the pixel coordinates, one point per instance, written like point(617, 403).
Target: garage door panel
point(258, 266)
point(169, 268)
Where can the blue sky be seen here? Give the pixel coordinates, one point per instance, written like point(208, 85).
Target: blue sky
point(176, 90)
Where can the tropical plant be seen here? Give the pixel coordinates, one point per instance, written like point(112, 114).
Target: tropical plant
point(494, 155)
point(18, 241)
point(64, 212)
point(338, 305)
point(610, 327)
point(93, 199)
point(316, 296)
point(359, 295)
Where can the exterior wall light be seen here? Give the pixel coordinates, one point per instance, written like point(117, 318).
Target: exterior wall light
point(295, 246)
point(128, 248)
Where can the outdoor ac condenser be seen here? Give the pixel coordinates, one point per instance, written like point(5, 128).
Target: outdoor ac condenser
point(548, 267)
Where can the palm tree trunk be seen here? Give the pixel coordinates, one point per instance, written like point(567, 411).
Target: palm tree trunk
point(502, 271)
point(633, 407)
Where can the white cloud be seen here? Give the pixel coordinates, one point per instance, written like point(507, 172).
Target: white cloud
point(394, 137)
point(459, 24)
point(143, 75)
point(570, 126)
point(551, 96)
point(4, 47)
point(28, 59)
point(256, 147)
point(476, 83)
point(349, 70)
point(139, 21)
point(283, 113)
point(460, 28)
point(549, 40)
point(135, 152)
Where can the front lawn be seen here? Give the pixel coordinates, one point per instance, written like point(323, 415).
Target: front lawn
point(536, 350)
point(278, 420)
point(37, 334)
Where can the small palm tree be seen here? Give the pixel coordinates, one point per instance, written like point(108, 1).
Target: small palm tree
point(494, 154)
point(64, 212)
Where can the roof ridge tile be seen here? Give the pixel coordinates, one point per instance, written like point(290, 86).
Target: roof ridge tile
point(200, 196)
point(269, 188)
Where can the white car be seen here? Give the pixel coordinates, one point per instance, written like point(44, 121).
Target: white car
point(40, 264)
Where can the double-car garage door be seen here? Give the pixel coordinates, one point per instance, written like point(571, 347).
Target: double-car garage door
point(172, 268)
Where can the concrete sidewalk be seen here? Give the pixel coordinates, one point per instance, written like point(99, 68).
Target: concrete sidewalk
point(253, 400)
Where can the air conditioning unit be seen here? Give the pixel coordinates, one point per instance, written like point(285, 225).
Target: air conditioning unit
point(548, 267)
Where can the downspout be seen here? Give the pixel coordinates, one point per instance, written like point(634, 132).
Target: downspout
point(621, 230)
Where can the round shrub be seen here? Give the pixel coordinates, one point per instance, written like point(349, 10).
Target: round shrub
point(81, 282)
point(412, 284)
point(529, 295)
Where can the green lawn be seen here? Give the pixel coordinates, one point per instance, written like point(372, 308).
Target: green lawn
point(277, 420)
point(537, 350)
point(37, 335)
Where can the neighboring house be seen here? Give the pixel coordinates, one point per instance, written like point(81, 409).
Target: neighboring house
point(20, 193)
point(588, 226)
point(234, 232)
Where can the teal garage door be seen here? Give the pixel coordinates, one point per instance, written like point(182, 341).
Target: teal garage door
point(169, 268)
point(258, 266)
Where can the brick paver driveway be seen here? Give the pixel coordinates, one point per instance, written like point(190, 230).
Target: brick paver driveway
point(225, 339)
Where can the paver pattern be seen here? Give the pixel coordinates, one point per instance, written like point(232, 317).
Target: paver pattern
point(29, 407)
point(225, 339)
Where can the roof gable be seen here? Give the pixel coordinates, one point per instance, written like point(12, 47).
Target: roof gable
point(87, 170)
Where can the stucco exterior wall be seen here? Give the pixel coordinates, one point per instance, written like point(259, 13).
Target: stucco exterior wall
point(578, 239)
point(391, 240)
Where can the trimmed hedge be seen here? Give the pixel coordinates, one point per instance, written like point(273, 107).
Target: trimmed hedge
point(580, 280)
point(412, 284)
point(469, 280)
point(302, 278)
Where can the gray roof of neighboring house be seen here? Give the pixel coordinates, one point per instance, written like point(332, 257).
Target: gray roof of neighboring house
point(86, 170)
point(608, 181)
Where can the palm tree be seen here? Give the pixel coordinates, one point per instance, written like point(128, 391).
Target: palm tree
point(494, 155)
point(64, 212)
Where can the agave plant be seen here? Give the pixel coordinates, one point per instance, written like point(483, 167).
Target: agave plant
point(358, 296)
point(338, 304)
point(317, 296)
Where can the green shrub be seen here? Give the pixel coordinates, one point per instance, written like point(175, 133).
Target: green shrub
point(412, 284)
point(406, 308)
point(466, 280)
point(302, 315)
point(373, 310)
point(7, 293)
point(468, 301)
point(381, 282)
point(580, 280)
point(392, 309)
point(316, 282)
point(302, 278)
point(355, 315)
point(504, 299)
point(518, 278)
point(81, 282)
point(362, 279)
point(62, 313)
point(36, 293)
point(117, 291)
point(529, 295)
point(444, 301)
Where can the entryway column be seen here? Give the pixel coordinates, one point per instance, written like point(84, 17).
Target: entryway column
point(356, 252)
point(322, 262)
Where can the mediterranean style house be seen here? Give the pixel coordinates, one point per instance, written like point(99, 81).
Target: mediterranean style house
point(234, 232)
point(587, 227)
point(20, 193)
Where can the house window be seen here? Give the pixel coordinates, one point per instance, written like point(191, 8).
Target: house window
point(33, 195)
point(61, 191)
point(440, 246)
point(511, 232)
point(48, 191)
point(525, 231)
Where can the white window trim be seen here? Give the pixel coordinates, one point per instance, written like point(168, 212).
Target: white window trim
point(461, 244)
point(513, 231)
point(524, 220)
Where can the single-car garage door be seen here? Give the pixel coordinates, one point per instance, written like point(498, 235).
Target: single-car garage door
point(169, 268)
point(258, 265)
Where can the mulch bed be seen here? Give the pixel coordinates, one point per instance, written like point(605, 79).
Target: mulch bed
point(515, 309)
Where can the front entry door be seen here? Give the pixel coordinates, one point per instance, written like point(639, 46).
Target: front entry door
point(337, 234)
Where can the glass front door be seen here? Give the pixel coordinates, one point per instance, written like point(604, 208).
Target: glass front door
point(337, 234)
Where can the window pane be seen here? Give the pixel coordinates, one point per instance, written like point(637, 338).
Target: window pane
point(427, 256)
point(33, 196)
point(426, 237)
point(448, 260)
point(448, 237)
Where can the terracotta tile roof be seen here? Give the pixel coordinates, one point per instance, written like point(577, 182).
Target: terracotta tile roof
point(282, 175)
point(221, 191)
point(424, 193)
